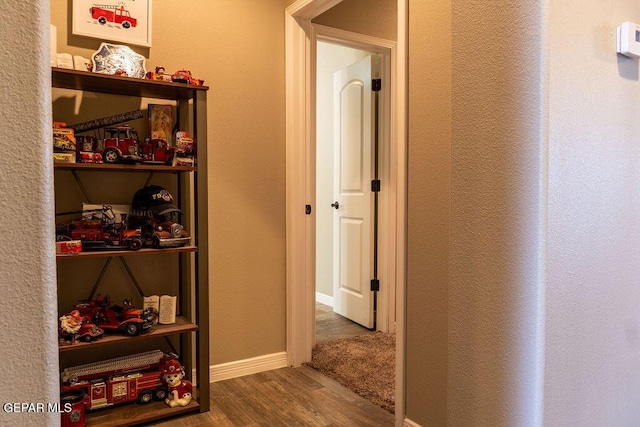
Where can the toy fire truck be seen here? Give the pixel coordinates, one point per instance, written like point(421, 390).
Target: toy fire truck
point(124, 379)
point(114, 14)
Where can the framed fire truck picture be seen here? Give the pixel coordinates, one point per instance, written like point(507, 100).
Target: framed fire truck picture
point(127, 21)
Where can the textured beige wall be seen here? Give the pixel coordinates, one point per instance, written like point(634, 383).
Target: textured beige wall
point(28, 315)
point(429, 181)
point(498, 133)
point(376, 18)
point(592, 292)
point(237, 47)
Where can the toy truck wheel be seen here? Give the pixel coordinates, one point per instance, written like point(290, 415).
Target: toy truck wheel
point(102, 20)
point(111, 155)
point(132, 329)
point(160, 394)
point(156, 242)
point(145, 397)
point(134, 244)
point(126, 24)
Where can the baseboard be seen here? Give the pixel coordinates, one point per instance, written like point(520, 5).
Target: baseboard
point(324, 299)
point(239, 368)
point(409, 423)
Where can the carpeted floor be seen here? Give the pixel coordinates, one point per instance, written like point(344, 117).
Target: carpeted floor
point(365, 364)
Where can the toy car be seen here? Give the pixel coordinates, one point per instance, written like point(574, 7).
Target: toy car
point(87, 149)
point(122, 145)
point(99, 232)
point(115, 318)
point(186, 149)
point(157, 151)
point(158, 231)
point(62, 144)
point(184, 76)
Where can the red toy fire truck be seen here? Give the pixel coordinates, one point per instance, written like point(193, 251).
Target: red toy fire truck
point(100, 232)
point(121, 145)
point(157, 151)
point(120, 380)
point(115, 14)
point(116, 318)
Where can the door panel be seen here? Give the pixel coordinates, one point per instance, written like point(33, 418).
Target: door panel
point(351, 138)
point(353, 217)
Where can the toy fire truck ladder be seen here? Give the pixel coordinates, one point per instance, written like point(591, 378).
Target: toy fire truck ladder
point(112, 366)
point(108, 6)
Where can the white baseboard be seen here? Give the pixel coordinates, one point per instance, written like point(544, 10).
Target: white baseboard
point(239, 368)
point(409, 423)
point(324, 299)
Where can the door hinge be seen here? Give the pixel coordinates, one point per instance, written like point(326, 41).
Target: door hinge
point(375, 285)
point(376, 85)
point(307, 209)
point(375, 185)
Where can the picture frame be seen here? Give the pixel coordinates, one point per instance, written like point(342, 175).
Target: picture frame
point(126, 21)
point(161, 122)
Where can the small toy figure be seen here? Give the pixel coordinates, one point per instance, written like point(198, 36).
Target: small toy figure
point(158, 74)
point(179, 389)
point(75, 327)
point(70, 326)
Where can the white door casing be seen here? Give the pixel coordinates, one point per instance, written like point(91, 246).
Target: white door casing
point(353, 206)
point(300, 145)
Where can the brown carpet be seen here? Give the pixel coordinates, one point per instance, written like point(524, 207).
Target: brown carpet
point(365, 364)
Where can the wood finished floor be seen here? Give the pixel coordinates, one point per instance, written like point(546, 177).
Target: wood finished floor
point(285, 397)
point(331, 326)
point(291, 396)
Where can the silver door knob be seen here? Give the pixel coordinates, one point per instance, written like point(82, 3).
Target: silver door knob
point(335, 205)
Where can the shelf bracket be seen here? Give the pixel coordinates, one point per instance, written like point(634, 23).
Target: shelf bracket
point(170, 344)
point(81, 187)
point(100, 277)
point(133, 278)
point(148, 181)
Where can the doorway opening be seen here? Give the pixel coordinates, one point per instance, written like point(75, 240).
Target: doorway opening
point(301, 37)
point(351, 153)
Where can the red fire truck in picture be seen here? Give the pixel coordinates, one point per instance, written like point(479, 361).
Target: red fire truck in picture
point(112, 13)
point(125, 379)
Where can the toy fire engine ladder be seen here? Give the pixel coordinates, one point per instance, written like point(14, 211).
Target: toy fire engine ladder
point(109, 6)
point(112, 366)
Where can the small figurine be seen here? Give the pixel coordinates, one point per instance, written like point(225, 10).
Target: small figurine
point(74, 327)
point(179, 389)
point(158, 74)
point(70, 326)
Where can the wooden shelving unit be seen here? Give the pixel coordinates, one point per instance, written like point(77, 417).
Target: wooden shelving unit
point(192, 325)
point(133, 414)
point(181, 326)
point(123, 252)
point(123, 168)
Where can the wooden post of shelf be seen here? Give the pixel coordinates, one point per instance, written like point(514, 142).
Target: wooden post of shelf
point(201, 201)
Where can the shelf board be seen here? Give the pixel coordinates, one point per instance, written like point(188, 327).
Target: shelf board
point(125, 252)
point(122, 167)
point(182, 325)
point(134, 413)
point(119, 85)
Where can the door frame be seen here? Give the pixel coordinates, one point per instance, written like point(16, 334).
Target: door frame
point(300, 188)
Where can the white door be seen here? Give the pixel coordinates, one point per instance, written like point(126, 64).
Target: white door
point(353, 204)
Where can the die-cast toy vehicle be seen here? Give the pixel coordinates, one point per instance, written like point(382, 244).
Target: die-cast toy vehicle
point(184, 76)
point(116, 318)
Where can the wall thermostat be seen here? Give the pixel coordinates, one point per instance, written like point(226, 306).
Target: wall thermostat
point(629, 39)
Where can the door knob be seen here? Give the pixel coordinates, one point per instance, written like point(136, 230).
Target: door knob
point(335, 205)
